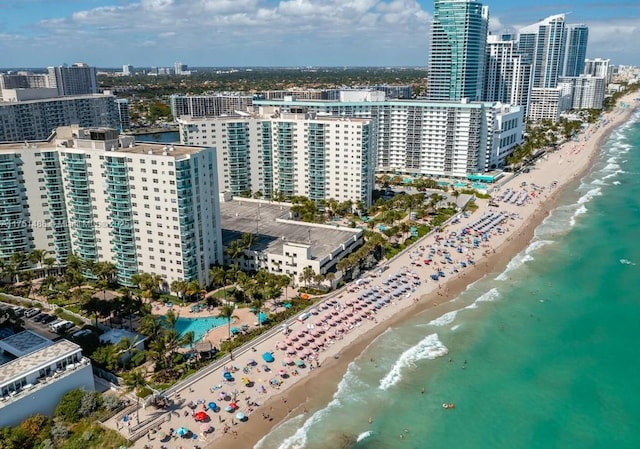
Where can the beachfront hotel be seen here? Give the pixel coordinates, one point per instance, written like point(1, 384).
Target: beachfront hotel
point(146, 207)
point(39, 373)
point(289, 153)
point(423, 138)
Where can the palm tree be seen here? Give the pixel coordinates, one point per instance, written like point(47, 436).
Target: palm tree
point(307, 275)
point(192, 289)
point(37, 256)
point(151, 326)
point(188, 339)
point(247, 240)
point(235, 250)
point(134, 381)
point(158, 351)
point(179, 287)
point(226, 311)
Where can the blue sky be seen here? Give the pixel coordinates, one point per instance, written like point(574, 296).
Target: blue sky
point(110, 33)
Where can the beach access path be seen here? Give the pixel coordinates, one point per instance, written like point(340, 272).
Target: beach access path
point(340, 330)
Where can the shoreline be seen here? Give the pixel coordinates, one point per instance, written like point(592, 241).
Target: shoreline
point(310, 391)
point(325, 385)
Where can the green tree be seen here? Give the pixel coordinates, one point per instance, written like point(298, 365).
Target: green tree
point(69, 406)
point(227, 312)
point(135, 381)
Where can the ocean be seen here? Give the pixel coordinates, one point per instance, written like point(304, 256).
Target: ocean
point(541, 355)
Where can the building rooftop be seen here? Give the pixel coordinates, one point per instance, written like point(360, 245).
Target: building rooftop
point(269, 222)
point(23, 343)
point(115, 336)
point(22, 366)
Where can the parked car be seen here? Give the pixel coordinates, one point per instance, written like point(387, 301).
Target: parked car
point(31, 313)
point(48, 319)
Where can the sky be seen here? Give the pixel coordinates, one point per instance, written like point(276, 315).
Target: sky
point(241, 33)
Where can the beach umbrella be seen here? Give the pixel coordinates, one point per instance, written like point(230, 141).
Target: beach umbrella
point(251, 362)
point(282, 372)
point(205, 428)
point(241, 416)
point(227, 375)
point(182, 431)
point(201, 416)
point(233, 405)
point(291, 351)
point(212, 405)
point(228, 408)
point(267, 357)
point(288, 360)
point(300, 362)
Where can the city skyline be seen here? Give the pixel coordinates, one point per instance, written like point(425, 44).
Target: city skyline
point(271, 32)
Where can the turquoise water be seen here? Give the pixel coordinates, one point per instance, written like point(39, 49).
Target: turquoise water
point(161, 137)
point(541, 355)
point(199, 326)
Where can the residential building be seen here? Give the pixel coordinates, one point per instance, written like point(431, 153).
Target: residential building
point(215, 105)
point(416, 137)
point(597, 67)
point(181, 69)
point(36, 380)
point(544, 104)
point(507, 76)
point(457, 57)
point(124, 119)
point(582, 92)
point(22, 80)
point(127, 70)
point(289, 154)
point(576, 52)
point(77, 79)
point(32, 120)
point(543, 45)
point(146, 207)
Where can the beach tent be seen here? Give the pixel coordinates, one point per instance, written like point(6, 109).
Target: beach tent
point(212, 405)
point(182, 431)
point(267, 357)
point(201, 416)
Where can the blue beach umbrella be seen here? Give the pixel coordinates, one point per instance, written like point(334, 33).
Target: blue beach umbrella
point(212, 405)
point(241, 416)
point(182, 431)
point(267, 357)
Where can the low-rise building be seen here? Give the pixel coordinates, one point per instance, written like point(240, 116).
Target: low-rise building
point(35, 382)
point(283, 246)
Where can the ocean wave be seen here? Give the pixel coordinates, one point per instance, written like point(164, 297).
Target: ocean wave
point(626, 262)
point(490, 296)
point(520, 259)
point(616, 183)
point(455, 328)
point(597, 191)
point(579, 211)
point(445, 319)
point(364, 435)
point(428, 348)
point(537, 244)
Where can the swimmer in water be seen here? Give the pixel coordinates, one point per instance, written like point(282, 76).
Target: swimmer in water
point(370, 419)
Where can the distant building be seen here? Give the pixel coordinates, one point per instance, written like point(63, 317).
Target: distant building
point(127, 70)
point(457, 56)
point(544, 104)
point(124, 119)
point(36, 380)
point(582, 92)
point(77, 79)
point(32, 120)
point(181, 69)
point(597, 67)
point(215, 105)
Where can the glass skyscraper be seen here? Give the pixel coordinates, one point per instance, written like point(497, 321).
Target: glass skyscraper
point(576, 53)
point(457, 58)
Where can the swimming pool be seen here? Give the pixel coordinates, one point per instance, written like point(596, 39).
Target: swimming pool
point(199, 326)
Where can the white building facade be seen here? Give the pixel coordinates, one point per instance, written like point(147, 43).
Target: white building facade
point(35, 383)
point(289, 154)
point(418, 138)
point(145, 207)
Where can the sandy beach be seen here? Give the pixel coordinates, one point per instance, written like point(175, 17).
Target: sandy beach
point(470, 247)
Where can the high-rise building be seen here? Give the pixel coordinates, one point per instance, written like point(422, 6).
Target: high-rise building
point(582, 92)
point(576, 52)
point(543, 45)
point(209, 105)
point(291, 154)
point(597, 67)
point(507, 76)
point(127, 70)
point(37, 119)
point(77, 79)
point(146, 207)
point(457, 57)
point(414, 137)
point(124, 120)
